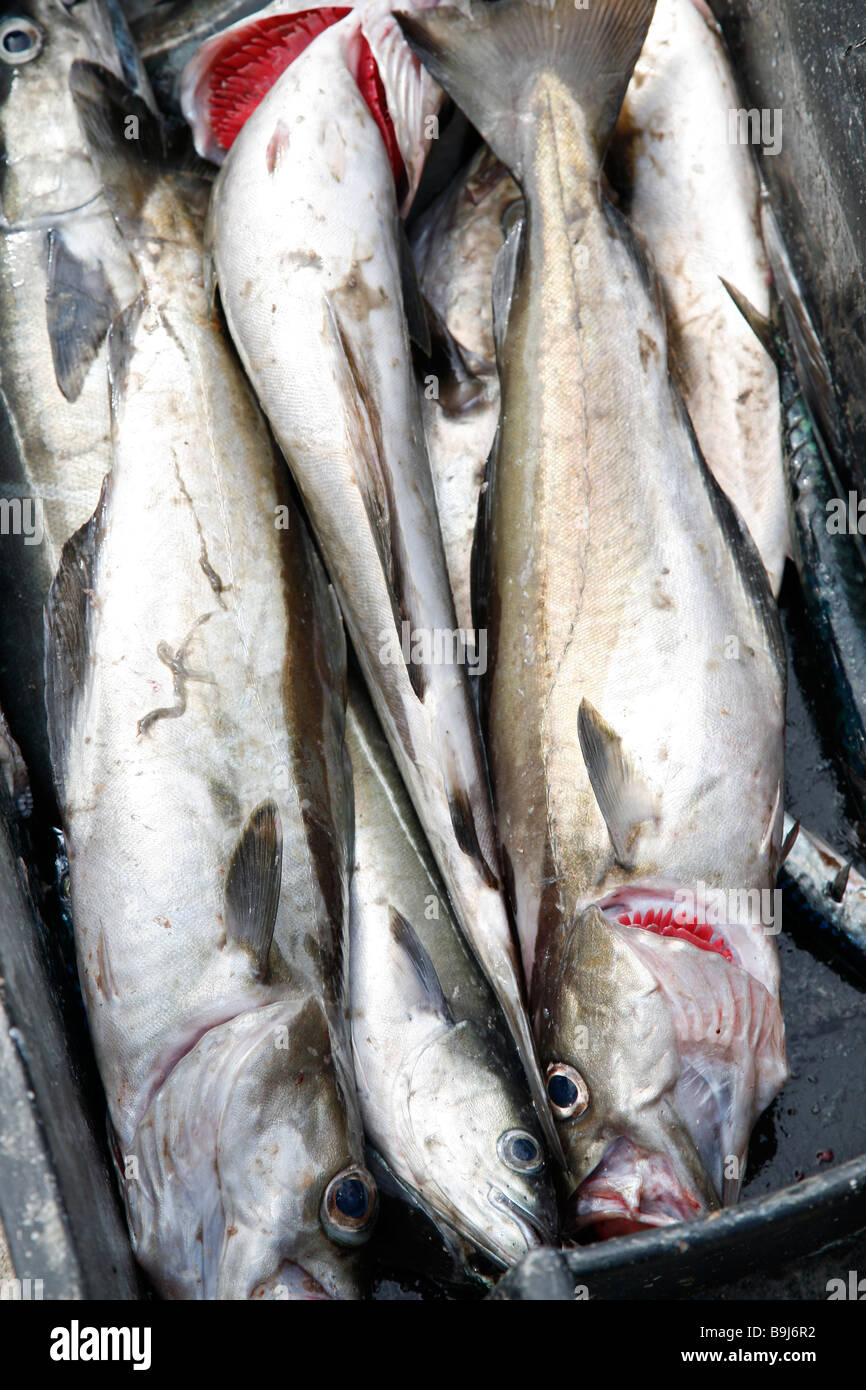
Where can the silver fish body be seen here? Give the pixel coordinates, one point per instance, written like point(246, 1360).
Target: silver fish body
point(442, 1095)
point(693, 196)
point(320, 327)
point(195, 687)
point(456, 244)
point(64, 274)
point(636, 685)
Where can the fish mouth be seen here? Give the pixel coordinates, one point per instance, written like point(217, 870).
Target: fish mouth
point(292, 1284)
point(529, 1226)
point(632, 1189)
point(664, 914)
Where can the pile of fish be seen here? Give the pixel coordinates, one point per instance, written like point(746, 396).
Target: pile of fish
point(412, 688)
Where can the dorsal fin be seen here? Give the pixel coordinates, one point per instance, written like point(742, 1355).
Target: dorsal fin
point(406, 938)
point(624, 797)
point(252, 890)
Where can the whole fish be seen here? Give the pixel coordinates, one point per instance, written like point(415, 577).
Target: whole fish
point(825, 885)
point(635, 693)
point(64, 274)
point(692, 193)
point(455, 246)
point(321, 329)
point(442, 1096)
point(195, 684)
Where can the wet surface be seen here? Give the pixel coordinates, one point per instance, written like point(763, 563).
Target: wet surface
point(820, 1117)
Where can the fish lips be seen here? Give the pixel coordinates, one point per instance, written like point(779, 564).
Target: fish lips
point(528, 1224)
point(632, 1189)
point(294, 1284)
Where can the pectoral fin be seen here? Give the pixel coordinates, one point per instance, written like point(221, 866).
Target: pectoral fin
point(79, 308)
point(624, 797)
point(252, 886)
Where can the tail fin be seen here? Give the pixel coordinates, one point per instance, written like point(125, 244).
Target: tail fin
point(489, 57)
point(134, 148)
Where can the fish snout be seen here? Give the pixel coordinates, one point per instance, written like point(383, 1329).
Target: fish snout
point(630, 1190)
point(291, 1283)
point(525, 1230)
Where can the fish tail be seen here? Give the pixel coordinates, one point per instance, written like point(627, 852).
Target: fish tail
point(132, 146)
point(491, 58)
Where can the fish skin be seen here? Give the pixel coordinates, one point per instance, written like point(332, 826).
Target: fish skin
point(438, 1082)
point(693, 197)
point(456, 244)
point(696, 234)
point(830, 564)
point(54, 425)
point(809, 872)
point(616, 573)
point(195, 689)
point(320, 329)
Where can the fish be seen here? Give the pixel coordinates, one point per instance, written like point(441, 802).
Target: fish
point(443, 1101)
point(692, 193)
point(64, 274)
point(455, 245)
point(634, 699)
point(827, 887)
point(61, 1233)
point(828, 547)
point(195, 689)
point(320, 326)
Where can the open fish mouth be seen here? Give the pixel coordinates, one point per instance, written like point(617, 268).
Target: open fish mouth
point(632, 1189)
point(668, 914)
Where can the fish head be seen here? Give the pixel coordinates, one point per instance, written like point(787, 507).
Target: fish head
point(334, 1197)
point(47, 169)
point(610, 1054)
point(481, 1165)
point(292, 1200)
point(233, 71)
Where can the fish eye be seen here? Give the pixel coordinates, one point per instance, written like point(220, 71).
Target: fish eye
point(520, 1152)
point(567, 1091)
point(20, 41)
point(349, 1207)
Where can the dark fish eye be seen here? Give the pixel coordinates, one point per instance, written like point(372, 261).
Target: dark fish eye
point(20, 41)
point(567, 1091)
point(520, 1152)
point(349, 1206)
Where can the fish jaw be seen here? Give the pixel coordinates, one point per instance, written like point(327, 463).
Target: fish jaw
point(631, 1190)
point(293, 1284)
point(678, 1048)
